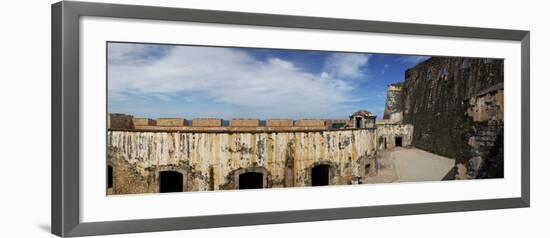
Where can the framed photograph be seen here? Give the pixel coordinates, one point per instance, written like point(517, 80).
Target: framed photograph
point(169, 119)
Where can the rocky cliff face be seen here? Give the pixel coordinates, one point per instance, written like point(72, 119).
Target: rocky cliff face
point(436, 99)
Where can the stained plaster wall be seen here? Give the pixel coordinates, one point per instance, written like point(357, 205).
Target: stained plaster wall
point(212, 161)
point(387, 133)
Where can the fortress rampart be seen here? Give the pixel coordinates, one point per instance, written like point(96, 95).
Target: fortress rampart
point(209, 155)
point(119, 121)
point(213, 161)
point(457, 108)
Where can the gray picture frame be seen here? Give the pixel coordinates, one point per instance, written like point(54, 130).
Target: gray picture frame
point(65, 118)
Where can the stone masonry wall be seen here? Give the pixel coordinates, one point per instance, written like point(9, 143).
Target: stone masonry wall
point(120, 121)
point(144, 122)
point(387, 134)
point(171, 122)
point(486, 135)
point(435, 98)
point(211, 161)
point(206, 122)
point(279, 123)
point(310, 123)
point(244, 122)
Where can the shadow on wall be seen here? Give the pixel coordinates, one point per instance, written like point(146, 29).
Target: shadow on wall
point(456, 105)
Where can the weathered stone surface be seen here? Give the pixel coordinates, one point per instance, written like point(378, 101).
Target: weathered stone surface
point(279, 123)
point(244, 122)
point(362, 119)
point(213, 122)
point(487, 105)
point(144, 122)
point(311, 123)
point(392, 100)
point(211, 160)
point(396, 117)
point(171, 122)
point(435, 100)
point(120, 121)
point(387, 135)
point(487, 149)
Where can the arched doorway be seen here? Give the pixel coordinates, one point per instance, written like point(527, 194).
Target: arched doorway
point(251, 180)
point(320, 175)
point(170, 181)
point(109, 176)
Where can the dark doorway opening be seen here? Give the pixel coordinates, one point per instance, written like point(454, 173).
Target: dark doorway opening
point(251, 180)
point(109, 176)
point(398, 141)
point(357, 122)
point(170, 181)
point(320, 175)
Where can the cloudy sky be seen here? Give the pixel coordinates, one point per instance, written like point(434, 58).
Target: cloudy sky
point(154, 81)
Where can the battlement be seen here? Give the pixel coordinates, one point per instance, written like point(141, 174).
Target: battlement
point(359, 120)
point(144, 122)
point(207, 122)
point(171, 122)
point(120, 121)
point(311, 123)
point(244, 123)
point(279, 123)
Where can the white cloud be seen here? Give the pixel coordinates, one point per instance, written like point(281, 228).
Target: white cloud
point(346, 65)
point(133, 54)
point(233, 77)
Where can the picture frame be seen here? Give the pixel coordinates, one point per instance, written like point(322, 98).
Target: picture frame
point(66, 121)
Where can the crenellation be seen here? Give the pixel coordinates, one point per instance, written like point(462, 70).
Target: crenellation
point(311, 123)
point(207, 122)
point(119, 121)
point(244, 123)
point(171, 122)
point(279, 123)
point(144, 122)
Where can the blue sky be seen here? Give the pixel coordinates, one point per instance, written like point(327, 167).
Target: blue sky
point(147, 80)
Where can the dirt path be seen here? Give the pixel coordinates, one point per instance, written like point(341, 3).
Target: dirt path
point(413, 165)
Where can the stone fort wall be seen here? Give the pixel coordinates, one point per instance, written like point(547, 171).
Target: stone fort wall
point(456, 106)
point(213, 160)
point(389, 135)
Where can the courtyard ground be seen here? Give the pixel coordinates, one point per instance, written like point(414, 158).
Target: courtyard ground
point(409, 164)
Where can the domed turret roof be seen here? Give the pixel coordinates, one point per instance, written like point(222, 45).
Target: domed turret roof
point(362, 113)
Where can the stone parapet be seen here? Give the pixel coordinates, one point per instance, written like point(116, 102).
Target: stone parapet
point(279, 123)
point(244, 123)
point(207, 122)
point(144, 122)
point(171, 122)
